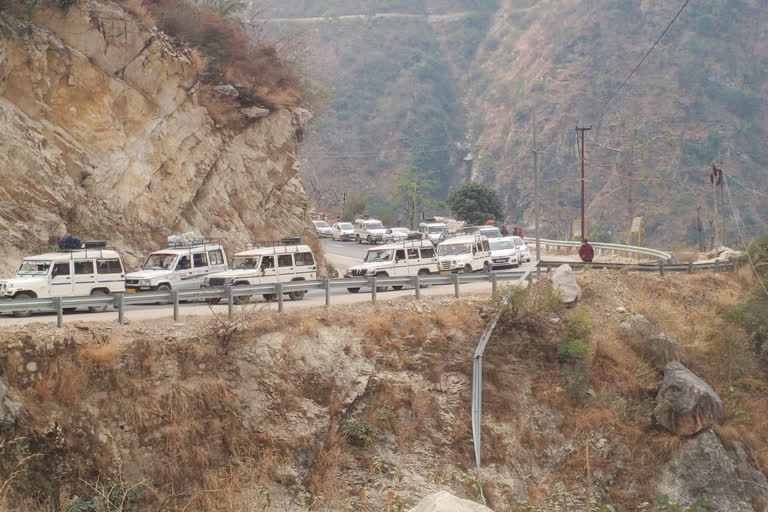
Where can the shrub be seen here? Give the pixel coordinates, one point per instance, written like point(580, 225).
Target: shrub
point(360, 433)
point(575, 352)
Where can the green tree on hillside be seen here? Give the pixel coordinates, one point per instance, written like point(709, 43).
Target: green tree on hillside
point(413, 193)
point(475, 203)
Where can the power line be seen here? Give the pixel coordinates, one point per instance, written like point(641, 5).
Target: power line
point(743, 238)
point(605, 105)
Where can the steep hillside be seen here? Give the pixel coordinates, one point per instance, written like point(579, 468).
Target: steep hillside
point(430, 82)
point(109, 132)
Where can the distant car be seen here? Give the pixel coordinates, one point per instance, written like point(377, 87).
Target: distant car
point(343, 231)
point(399, 234)
point(488, 231)
point(504, 252)
point(522, 248)
point(322, 228)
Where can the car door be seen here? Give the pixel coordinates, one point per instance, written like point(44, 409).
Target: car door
point(285, 269)
point(428, 259)
point(84, 278)
point(413, 261)
point(183, 275)
point(400, 266)
point(200, 269)
point(60, 283)
point(268, 270)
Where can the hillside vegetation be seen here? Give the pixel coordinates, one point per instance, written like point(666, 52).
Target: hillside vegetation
point(427, 91)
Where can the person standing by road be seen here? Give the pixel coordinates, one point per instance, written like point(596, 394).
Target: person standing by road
point(516, 231)
point(504, 230)
point(586, 252)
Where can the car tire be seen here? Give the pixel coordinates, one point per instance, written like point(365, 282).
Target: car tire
point(369, 240)
point(98, 309)
point(22, 296)
point(297, 295)
point(423, 273)
point(270, 297)
point(353, 290)
point(467, 268)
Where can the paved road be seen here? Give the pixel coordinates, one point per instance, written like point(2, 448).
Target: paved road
point(341, 254)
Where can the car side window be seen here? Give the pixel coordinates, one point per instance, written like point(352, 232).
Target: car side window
point(216, 257)
point(109, 267)
point(200, 259)
point(285, 260)
point(413, 254)
point(427, 252)
point(60, 269)
point(268, 262)
point(84, 267)
point(184, 263)
point(399, 255)
point(486, 245)
point(304, 259)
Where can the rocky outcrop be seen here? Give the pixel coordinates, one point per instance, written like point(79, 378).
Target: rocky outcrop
point(11, 407)
point(685, 403)
point(445, 502)
point(104, 137)
point(564, 283)
point(702, 470)
point(648, 343)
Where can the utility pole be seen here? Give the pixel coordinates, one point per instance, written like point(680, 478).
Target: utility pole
point(716, 179)
point(580, 131)
point(722, 205)
point(536, 191)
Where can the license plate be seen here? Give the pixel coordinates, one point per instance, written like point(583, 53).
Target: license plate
point(130, 290)
point(446, 272)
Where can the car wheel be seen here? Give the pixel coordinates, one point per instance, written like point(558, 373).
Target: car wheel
point(270, 297)
point(423, 273)
point(487, 267)
point(467, 268)
point(353, 290)
point(21, 297)
point(98, 309)
point(369, 239)
point(297, 295)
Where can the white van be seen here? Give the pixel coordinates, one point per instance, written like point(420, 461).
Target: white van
point(433, 230)
point(268, 262)
point(369, 230)
point(90, 270)
point(182, 266)
point(504, 252)
point(466, 253)
point(407, 258)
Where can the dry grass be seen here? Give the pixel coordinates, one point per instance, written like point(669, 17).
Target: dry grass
point(102, 355)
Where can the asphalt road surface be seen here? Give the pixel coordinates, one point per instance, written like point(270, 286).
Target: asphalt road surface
point(340, 254)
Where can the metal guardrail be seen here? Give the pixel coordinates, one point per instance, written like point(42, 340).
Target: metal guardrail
point(231, 293)
point(660, 266)
point(605, 248)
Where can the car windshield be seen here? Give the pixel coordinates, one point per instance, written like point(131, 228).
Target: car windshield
point(346, 226)
point(33, 267)
point(500, 245)
point(437, 229)
point(245, 262)
point(401, 230)
point(321, 224)
point(519, 242)
point(374, 225)
point(159, 261)
point(378, 255)
point(491, 232)
point(453, 249)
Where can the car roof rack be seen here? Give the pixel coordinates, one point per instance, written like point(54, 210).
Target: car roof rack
point(195, 243)
point(286, 240)
point(91, 248)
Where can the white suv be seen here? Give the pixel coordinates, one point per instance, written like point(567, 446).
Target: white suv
point(268, 262)
point(434, 231)
point(90, 270)
point(504, 252)
point(466, 253)
point(408, 258)
point(369, 230)
point(181, 266)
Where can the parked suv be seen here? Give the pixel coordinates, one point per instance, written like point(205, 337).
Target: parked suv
point(268, 262)
point(181, 266)
point(466, 253)
point(504, 252)
point(90, 270)
point(369, 230)
point(433, 230)
point(407, 258)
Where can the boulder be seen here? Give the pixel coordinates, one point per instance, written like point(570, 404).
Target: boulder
point(445, 502)
point(226, 90)
point(702, 469)
point(255, 112)
point(648, 343)
point(11, 406)
point(685, 403)
point(564, 283)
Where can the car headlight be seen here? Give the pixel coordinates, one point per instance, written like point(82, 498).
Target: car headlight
point(143, 282)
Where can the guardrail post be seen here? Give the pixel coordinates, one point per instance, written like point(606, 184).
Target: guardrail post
point(279, 297)
point(230, 300)
point(373, 290)
point(690, 267)
point(717, 266)
point(417, 286)
point(121, 309)
point(59, 312)
point(456, 285)
point(327, 292)
point(661, 267)
point(175, 296)
point(493, 284)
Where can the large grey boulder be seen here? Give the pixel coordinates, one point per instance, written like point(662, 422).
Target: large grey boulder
point(702, 469)
point(564, 283)
point(685, 404)
point(647, 342)
point(445, 502)
point(11, 406)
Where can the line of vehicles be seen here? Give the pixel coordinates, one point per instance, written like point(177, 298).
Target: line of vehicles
point(189, 263)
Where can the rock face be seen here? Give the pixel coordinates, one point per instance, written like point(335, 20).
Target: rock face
point(648, 343)
point(685, 403)
point(446, 502)
point(11, 408)
point(702, 469)
point(564, 282)
point(104, 137)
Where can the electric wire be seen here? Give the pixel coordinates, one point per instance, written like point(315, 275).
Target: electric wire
point(743, 238)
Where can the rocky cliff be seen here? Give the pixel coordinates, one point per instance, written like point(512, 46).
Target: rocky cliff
point(104, 137)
